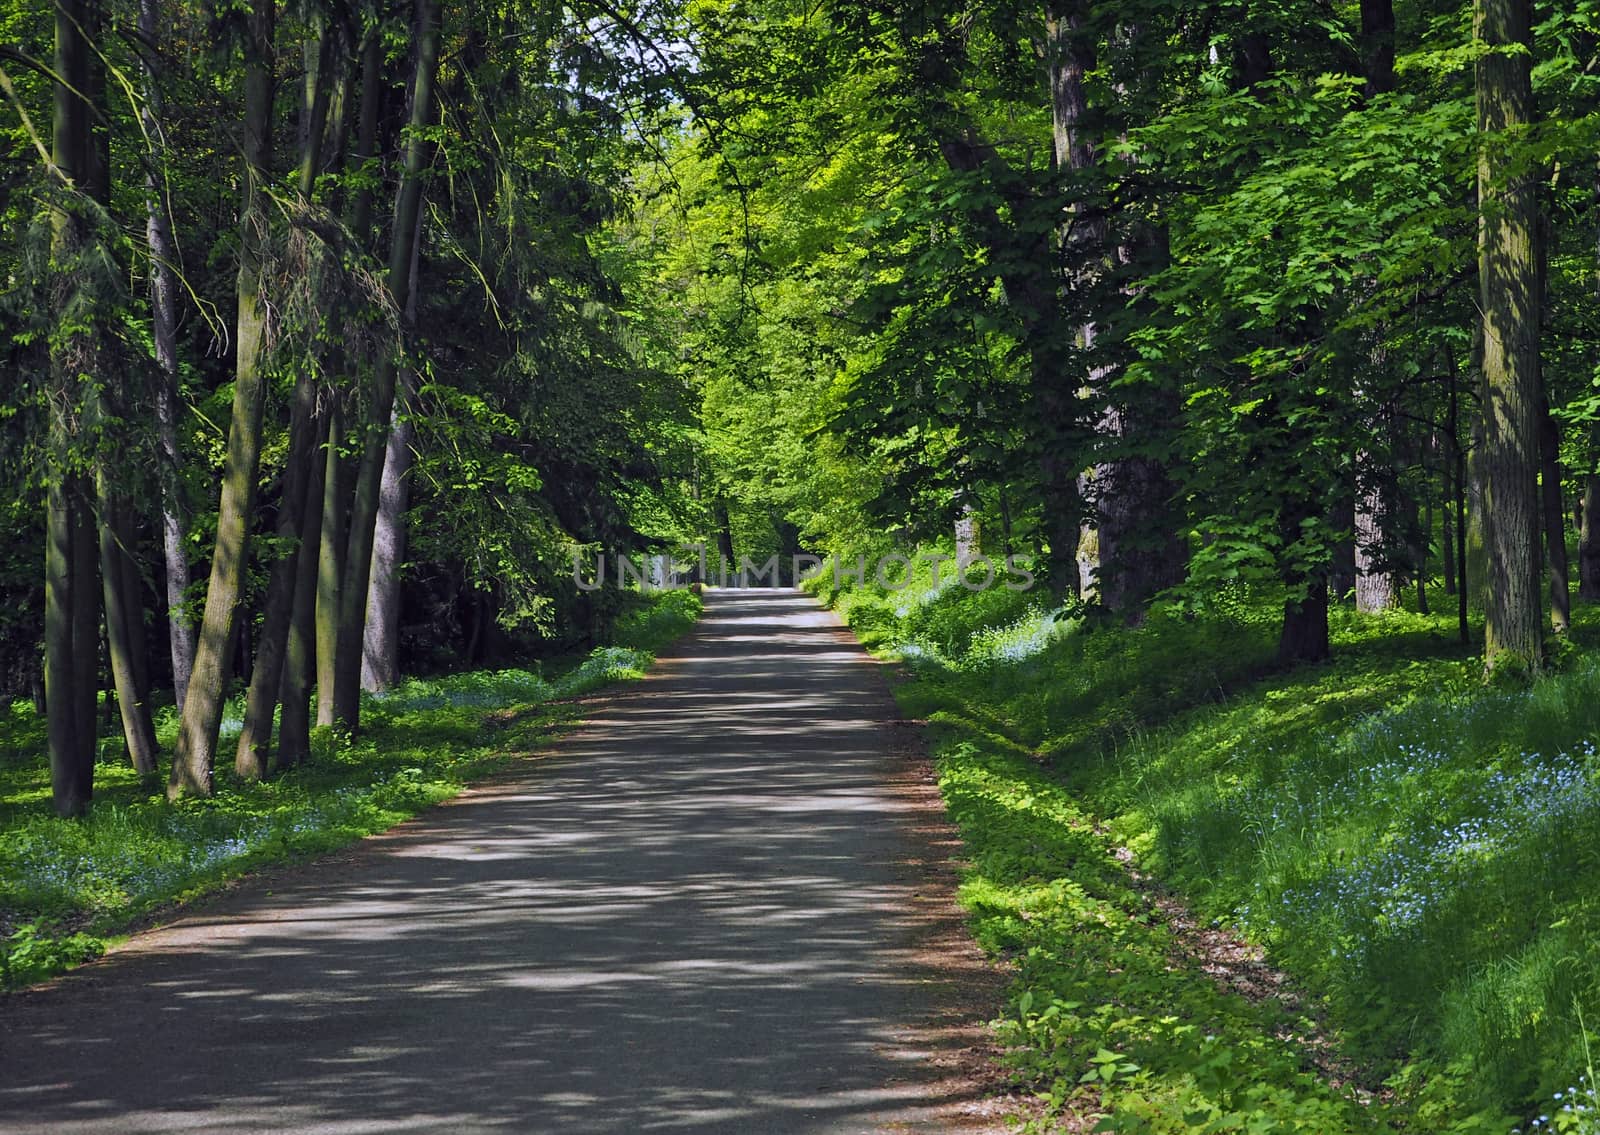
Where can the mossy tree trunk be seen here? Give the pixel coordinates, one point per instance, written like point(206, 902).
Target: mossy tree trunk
point(251, 758)
point(194, 761)
point(330, 561)
point(337, 471)
point(1508, 272)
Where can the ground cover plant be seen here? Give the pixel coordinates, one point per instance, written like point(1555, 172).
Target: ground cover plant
point(1416, 849)
point(65, 887)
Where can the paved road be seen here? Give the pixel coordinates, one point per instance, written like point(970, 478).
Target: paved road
point(711, 911)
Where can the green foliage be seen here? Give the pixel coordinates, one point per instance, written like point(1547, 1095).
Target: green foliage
point(31, 954)
point(1418, 850)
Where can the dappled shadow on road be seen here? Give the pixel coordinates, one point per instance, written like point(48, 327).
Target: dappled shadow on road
point(710, 913)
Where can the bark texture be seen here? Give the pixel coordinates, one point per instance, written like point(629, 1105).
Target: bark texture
point(1555, 522)
point(71, 612)
point(299, 664)
point(195, 758)
point(1508, 270)
point(1377, 489)
point(330, 562)
point(1589, 540)
point(123, 612)
point(1376, 588)
point(364, 506)
point(380, 643)
point(251, 759)
point(164, 333)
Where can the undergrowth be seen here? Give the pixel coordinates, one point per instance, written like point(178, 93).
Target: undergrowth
point(65, 885)
point(1421, 853)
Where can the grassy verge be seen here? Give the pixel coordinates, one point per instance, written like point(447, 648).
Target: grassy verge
point(1421, 853)
point(65, 885)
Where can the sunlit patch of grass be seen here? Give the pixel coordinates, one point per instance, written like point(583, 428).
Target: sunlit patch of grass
point(1421, 851)
point(421, 743)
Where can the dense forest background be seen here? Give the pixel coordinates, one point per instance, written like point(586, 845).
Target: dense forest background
point(337, 331)
point(439, 296)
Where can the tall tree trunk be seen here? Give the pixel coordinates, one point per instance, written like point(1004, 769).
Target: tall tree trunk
point(1304, 635)
point(86, 633)
point(71, 602)
point(1475, 532)
point(266, 676)
point(107, 543)
point(1425, 538)
point(1342, 519)
point(1376, 503)
point(1375, 514)
point(331, 561)
point(1463, 487)
point(164, 332)
point(1447, 538)
point(1589, 540)
point(1555, 521)
point(1509, 294)
point(1589, 508)
point(1136, 550)
point(1377, 46)
point(380, 653)
point(364, 506)
point(337, 471)
point(194, 761)
point(380, 645)
point(70, 724)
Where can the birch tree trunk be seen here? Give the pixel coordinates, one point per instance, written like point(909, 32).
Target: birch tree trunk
point(1377, 492)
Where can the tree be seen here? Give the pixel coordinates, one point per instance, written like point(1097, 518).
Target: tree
point(1509, 294)
point(72, 607)
point(369, 477)
point(194, 760)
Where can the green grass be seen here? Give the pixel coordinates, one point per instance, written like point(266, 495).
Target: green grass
point(1422, 853)
point(65, 884)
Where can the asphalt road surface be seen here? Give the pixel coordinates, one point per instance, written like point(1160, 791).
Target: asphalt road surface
point(717, 907)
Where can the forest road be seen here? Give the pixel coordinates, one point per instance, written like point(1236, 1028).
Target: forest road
point(722, 905)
